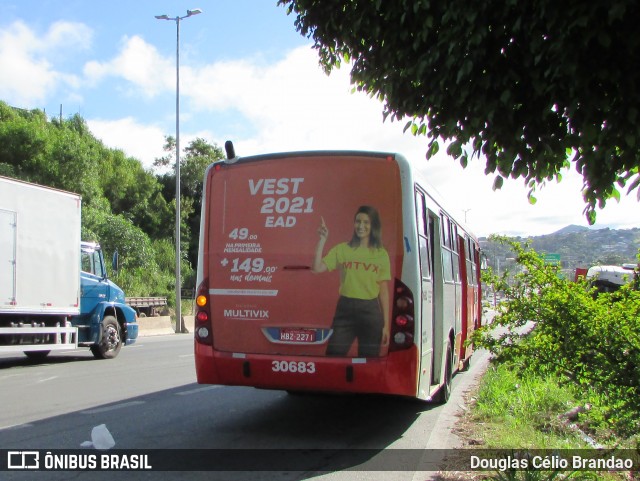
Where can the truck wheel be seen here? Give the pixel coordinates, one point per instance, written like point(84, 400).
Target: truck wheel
point(445, 391)
point(36, 355)
point(111, 340)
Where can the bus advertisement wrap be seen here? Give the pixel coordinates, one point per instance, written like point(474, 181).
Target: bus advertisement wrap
point(267, 297)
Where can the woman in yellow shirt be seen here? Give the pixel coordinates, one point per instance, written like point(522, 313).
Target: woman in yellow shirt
point(362, 312)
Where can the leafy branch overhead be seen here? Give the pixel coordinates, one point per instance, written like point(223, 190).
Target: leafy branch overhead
point(533, 88)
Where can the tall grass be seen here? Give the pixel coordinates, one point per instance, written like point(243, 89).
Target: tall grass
point(520, 412)
point(524, 412)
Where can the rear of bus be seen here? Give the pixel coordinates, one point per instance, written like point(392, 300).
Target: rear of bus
point(264, 318)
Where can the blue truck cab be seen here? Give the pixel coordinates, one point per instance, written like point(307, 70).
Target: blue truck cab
point(105, 322)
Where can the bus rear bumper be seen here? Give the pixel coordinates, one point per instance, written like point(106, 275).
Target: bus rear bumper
point(394, 374)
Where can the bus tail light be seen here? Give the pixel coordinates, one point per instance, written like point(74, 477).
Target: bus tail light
point(402, 320)
point(203, 331)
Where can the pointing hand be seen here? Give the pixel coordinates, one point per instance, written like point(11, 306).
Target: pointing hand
point(323, 231)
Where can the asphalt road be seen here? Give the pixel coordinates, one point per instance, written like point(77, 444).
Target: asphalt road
point(148, 399)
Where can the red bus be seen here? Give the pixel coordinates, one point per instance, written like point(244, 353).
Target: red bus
point(332, 271)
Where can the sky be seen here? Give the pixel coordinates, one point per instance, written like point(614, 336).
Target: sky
point(248, 76)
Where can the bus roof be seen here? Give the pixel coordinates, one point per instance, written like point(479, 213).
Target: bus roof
point(310, 153)
point(419, 176)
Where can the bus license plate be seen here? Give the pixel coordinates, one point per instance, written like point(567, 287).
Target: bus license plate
point(297, 335)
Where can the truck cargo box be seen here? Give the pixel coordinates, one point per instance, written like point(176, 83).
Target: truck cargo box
point(39, 258)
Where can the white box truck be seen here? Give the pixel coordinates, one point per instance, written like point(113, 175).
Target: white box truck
point(54, 292)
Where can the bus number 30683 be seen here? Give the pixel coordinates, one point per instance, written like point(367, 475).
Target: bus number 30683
point(294, 367)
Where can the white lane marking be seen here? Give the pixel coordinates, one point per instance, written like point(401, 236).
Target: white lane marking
point(112, 408)
point(16, 426)
point(197, 390)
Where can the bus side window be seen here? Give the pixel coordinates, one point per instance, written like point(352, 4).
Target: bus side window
point(445, 230)
point(423, 234)
point(455, 263)
point(453, 235)
point(471, 262)
point(447, 265)
point(447, 254)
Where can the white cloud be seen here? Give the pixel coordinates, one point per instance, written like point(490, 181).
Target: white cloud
point(26, 60)
point(291, 104)
point(508, 211)
point(67, 34)
point(143, 142)
point(140, 64)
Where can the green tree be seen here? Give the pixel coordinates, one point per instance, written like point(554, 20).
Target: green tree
point(74, 158)
point(123, 206)
point(549, 325)
point(116, 232)
point(58, 154)
point(23, 139)
point(135, 193)
point(195, 159)
point(533, 88)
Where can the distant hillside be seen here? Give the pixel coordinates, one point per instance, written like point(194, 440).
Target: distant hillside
point(571, 229)
point(578, 246)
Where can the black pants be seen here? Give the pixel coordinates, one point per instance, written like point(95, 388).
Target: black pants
point(356, 319)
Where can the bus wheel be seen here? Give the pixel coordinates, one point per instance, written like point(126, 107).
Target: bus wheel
point(444, 393)
point(110, 341)
point(466, 364)
point(295, 393)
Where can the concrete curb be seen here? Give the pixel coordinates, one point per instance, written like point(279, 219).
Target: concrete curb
point(155, 326)
point(189, 323)
point(160, 325)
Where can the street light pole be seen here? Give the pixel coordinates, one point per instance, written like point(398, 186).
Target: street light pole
point(465, 214)
point(177, 19)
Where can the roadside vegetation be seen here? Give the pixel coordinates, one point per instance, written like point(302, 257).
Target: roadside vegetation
point(565, 372)
point(125, 206)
